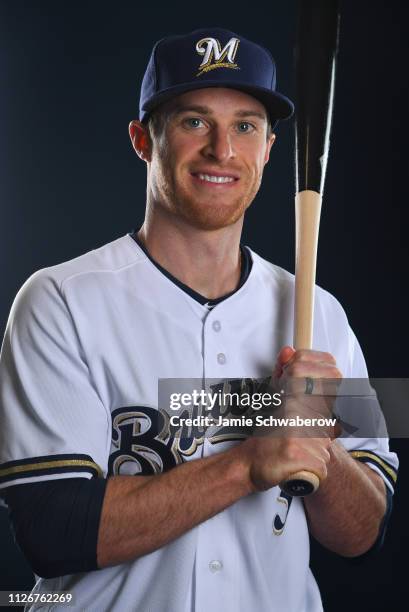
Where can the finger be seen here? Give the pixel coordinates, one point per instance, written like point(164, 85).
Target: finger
point(312, 355)
point(312, 453)
point(312, 369)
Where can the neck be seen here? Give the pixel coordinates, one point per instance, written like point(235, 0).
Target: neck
point(206, 261)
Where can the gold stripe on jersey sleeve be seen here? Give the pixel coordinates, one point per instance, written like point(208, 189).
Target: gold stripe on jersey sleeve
point(388, 469)
point(47, 465)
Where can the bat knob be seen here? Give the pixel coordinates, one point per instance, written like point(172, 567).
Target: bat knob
point(300, 484)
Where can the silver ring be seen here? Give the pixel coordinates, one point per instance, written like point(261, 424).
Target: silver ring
point(309, 386)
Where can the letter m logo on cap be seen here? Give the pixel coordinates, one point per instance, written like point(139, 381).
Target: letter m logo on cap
point(216, 57)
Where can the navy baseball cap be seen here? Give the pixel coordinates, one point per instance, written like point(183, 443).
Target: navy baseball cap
point(211, 57)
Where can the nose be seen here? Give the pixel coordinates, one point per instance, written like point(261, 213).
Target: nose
point(219, 146)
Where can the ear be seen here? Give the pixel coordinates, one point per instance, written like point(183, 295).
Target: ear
point(270, 142)
point(140, 139)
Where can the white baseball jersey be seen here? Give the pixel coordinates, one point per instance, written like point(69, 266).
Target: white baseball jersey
point(85, 345)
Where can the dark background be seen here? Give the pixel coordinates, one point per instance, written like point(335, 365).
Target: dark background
point(69, 182)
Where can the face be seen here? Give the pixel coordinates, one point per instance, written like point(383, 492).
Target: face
point(207, 164)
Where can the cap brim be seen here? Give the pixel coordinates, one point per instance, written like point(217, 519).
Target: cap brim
point(278, 106)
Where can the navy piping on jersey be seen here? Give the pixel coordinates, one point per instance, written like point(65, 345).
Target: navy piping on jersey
point(388, 471)
point(246, 265)
point(46, 465)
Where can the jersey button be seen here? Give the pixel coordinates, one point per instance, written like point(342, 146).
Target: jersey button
point(216, 326)
point(221, 358)
point(215, 566)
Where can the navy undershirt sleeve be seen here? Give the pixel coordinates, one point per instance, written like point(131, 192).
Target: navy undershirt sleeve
point(376, 547)
point(56, 523)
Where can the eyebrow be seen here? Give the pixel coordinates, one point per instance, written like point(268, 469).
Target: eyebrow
point(205, 110)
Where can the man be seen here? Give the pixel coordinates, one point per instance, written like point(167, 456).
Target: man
point(106, 502)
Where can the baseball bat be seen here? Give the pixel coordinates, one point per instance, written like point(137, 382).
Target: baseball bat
point(315, 59)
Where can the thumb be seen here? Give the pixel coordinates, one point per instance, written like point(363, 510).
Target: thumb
point(285, 355)
point(283, 358)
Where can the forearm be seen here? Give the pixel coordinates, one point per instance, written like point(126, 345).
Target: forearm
point(346, 512)
point(143, 513)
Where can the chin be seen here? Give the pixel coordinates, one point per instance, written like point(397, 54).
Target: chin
point(212, 216)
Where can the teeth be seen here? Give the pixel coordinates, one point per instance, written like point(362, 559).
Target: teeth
point(216, 179)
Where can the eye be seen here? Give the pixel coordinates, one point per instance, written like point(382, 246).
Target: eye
point(244, 127)
point(193, 122)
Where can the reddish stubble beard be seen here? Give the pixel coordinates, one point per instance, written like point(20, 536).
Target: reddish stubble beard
point(197, 206)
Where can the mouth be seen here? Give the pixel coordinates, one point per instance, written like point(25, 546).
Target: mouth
point(215, 178)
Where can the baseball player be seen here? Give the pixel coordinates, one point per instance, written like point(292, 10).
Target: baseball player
point(106, 502)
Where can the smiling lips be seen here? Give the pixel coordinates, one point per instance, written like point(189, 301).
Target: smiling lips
point(217, 179)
